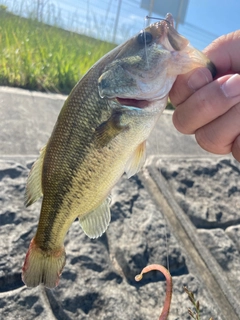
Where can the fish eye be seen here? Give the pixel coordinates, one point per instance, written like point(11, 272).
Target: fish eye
point(144, 38)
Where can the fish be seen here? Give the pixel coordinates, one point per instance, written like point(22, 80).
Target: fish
point(101, 133)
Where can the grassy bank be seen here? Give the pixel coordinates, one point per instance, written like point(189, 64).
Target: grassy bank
point(39, 57)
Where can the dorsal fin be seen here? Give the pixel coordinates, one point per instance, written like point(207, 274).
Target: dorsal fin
point(34, 182)
point(95, 223)
point(137, 160)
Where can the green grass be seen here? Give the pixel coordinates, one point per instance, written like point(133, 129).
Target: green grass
point(45, 58)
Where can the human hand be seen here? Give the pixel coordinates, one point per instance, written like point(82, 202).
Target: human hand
point(209, 108)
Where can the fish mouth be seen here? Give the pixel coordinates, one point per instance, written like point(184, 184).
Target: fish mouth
point(141, 104)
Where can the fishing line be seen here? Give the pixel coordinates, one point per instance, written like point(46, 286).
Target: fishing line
point(167, 246)
point(145, 42)
point(144, 33)
point(165, 225)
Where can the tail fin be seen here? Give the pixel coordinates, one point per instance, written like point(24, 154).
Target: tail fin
point(42, 267)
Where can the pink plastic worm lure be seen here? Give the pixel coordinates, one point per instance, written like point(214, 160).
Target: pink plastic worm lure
point(165, 272)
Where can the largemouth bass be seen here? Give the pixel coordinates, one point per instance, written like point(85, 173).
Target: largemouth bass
point(101, 133)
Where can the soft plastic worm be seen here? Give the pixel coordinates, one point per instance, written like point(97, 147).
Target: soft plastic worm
point(165, 272)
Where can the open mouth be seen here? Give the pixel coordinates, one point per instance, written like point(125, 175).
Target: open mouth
point(133, 102)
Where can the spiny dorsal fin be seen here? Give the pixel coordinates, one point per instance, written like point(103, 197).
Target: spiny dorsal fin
point(137, 160)
point(95, 223)
point(34, 183)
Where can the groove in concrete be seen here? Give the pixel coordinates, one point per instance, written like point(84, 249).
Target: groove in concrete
point(205, 265)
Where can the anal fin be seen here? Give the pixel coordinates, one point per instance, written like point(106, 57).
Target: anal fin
point(137, 160)
point(34, 182)
point(95, 223)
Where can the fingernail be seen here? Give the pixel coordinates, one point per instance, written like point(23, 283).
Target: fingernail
point(199, 78)
point(231, 88)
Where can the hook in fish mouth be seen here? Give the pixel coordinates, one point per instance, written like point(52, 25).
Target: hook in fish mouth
point(169, 19)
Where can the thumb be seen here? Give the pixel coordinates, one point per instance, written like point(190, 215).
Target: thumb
point(224, 53)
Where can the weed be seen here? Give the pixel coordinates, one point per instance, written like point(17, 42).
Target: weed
point(36, 56)
point(195, 313)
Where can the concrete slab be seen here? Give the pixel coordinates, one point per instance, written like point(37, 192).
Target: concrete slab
point(211, 248)
point(27, 120)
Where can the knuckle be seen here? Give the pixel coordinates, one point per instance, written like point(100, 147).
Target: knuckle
point(175, 95)
point(209, 141)
point(179, 91)
point(179, 121)
point(203, 140)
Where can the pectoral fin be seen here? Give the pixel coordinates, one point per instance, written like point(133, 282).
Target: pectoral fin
point(137, 160)
point(109, 129)
point(95, 223)
point(34, 183)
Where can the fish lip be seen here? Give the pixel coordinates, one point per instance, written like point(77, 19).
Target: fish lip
point(140, 104)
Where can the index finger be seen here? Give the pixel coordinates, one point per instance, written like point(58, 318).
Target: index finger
point(186, 84)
